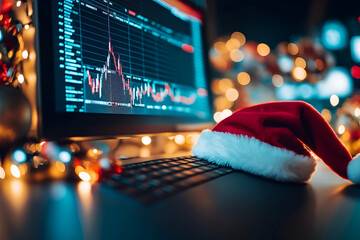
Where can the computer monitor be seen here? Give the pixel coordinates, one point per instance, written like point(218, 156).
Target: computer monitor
point(110, 68)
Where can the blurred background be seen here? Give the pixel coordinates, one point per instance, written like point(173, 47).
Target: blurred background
point(264, 51)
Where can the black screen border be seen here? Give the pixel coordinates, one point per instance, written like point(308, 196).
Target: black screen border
point(57, 125)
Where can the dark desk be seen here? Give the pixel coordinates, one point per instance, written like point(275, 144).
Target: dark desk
point(327, 208)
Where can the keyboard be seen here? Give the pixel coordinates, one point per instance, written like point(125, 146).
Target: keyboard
point(157, 179)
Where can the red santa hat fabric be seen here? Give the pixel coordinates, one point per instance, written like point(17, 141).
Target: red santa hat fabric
point(271, 140)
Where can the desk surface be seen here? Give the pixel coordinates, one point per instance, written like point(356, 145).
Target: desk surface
point(326, 208)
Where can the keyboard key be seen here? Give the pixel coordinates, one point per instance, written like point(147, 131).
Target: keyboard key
point(165, 165)
point(189, 172)
point(169, 178)
point(168, 188)
point(141, 177)
point(176, 169)
point(164, 171)
point(185, 166)
point(155, 182)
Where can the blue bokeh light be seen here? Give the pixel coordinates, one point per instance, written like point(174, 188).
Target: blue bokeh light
point(286, 64)
point(334, 35)
point(337, 81)
point(355, 48)
point(19, 156)
point(64, 156)
point(1, 36)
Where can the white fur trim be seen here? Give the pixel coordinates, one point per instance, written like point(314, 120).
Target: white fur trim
point(253, 156)
point(353, 170)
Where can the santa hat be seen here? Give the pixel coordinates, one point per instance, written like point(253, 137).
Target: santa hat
point(271, 140)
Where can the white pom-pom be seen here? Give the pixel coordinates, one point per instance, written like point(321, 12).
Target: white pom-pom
point(353, 170)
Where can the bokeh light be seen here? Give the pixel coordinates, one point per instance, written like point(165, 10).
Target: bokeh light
point(355, 48)
point(232, 94)
point(236, 55)
point(2, 173)
point(299, 73)
point(146, 140)
point(263, 49)
point(334, 35)
point(21, 78)
point(285, 63)
point(19, 156)
point(293, 48)
point(179, 139)
point(334, 100)
point(341, 129)
point(357, 112)
point(243, 78)
point(277, 80)
point(232, 44)
point(239, 36)
point(326, 114)
point(225, 84)
point(85, 176)
point(300, 62)
point(64, 156)
point(15, 171)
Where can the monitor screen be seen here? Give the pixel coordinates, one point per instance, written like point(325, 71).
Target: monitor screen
point(133, 57)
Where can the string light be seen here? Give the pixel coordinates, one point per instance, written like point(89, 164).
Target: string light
point(341, 129)
point(2, 173)
point(18, 3)
point(84, 176)
point(334, 100)
point(357, 112)
point(179, 139)
point(27, 26)
point(25, 54)
point(146, 140)
point(21, 79)
point(15, 171)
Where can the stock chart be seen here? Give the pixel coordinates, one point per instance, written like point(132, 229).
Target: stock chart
point(129, 57)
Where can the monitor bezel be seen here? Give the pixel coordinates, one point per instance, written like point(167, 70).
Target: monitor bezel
point(54, 125)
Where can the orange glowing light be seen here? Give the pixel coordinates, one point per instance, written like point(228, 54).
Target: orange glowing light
point(300, 62)
point(232, 44)
point(243, 78)
point(293, 48)
point(263, 49)
point(84, 176)
point(15, 171)
point(239, 36)
point(299, 73)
